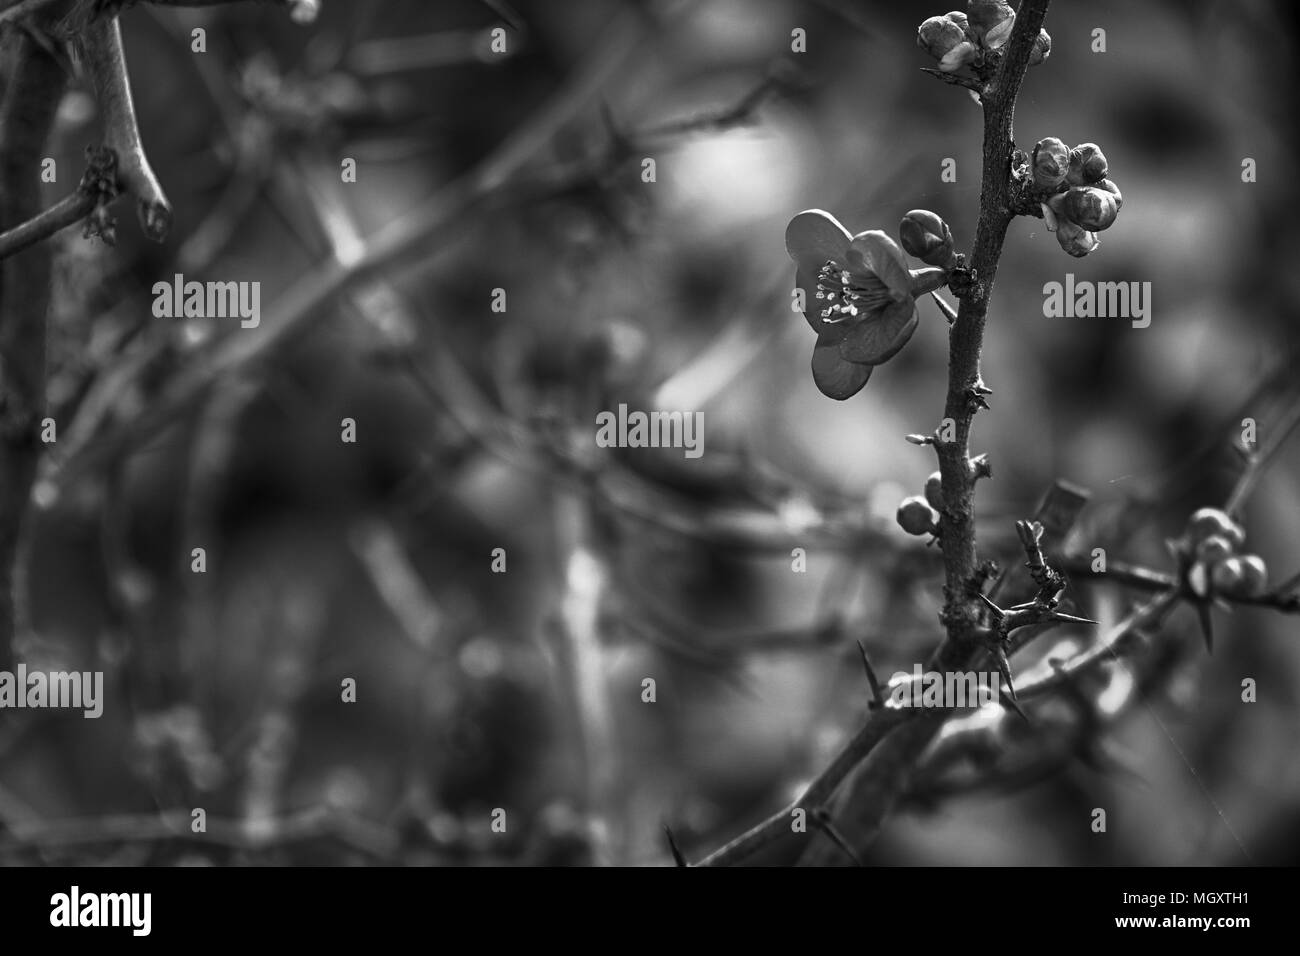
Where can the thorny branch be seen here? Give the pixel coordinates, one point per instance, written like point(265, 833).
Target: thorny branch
point(878, 785)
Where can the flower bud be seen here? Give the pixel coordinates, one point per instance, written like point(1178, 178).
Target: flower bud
point(1245, 576)
point(1051, 161)
point(915, 516)
point(1090, 207)
point(940, 37)
point(934, 491)
point(1226, 575)
point(1042, 48)
point(1211, 521)
point(1087, 165)
point(1111, 188)
point(1074, 239)
point(990, 22)
point(957, 57)
point(927, 237)
point(1214, 549)
point(1254, 576)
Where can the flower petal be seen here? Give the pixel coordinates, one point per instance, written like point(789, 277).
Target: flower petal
point(878, 338)
point(813, 237)
point(835, 377)
point(881, 256)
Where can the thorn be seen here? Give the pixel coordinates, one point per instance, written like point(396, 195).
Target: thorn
point(921, 439)
point(1070, 618)
point(981, 388)
point(1004, 668)
point(877, 701)
point(1011, 704)
point(997, 612)
point(823, 821)
point(672, 845)
point(1207, 626)
point(948, 311)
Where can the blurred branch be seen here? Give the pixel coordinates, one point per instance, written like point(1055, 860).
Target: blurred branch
point(1108, 647)
point(425, 230)
point(31, 99)
point(98, 186)
point(304, 826)
point(105, 60)
point(1258, 460)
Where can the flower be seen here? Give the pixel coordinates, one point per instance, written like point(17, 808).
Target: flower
point(858, 296)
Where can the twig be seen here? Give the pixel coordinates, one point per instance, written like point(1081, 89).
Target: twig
point(98, 187)
point(1107, 647)
point(106, 60)
point(1281, 598)
point(1257, 461)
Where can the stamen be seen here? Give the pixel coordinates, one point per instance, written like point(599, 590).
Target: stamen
point(857, 295)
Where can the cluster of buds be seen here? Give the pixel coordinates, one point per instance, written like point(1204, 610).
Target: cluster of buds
point(1080, 200)
point(1210, 548)
point(959, 39)
point(919, 514)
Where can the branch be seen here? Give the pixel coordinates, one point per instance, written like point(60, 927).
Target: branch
point(1258, 460)
point(1108, 646)
point(875, 790)
point(303, 826)
point(33, 91)
point(106, 61)
point(97, 188)
point(1283, 598)
point(879, 725)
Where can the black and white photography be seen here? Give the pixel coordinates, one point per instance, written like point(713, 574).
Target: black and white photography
point(649, 433)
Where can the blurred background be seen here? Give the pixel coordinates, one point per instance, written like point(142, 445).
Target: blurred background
point(515, 679)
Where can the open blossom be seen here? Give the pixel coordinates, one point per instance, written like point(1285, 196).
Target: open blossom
point(858, 297)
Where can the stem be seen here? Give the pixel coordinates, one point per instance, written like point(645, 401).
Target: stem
point(106, 60)
point(34, 88)
point(64, 213)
